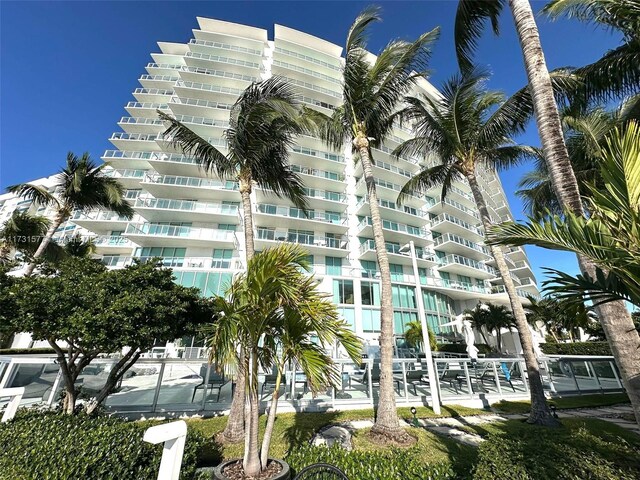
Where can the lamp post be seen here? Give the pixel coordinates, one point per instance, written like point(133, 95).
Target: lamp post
point(433, 380)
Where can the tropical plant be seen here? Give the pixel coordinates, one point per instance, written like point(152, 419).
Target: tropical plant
point(616, 73)
point(373, 88)
point(76, 246)
point(609, 238)
point(82, 186)
point(470, 19)
point(413, 335)
point(21, 232)
point(559, 317)
point(84, 310)
point(492, 318)
point(468, 130)
point(263, 124)
point(275, 310)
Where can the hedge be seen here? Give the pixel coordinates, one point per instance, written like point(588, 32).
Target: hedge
point(571, 452)
point(462, 348)
point(390, 464)
point(48, 445)
point(576, 348)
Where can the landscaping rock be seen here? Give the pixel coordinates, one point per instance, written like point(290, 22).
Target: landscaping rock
point(331, 435)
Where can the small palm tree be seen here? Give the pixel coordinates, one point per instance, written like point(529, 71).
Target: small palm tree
point(275, 310)
point(413, 335)
point(21, 232)
point(610, 238)
point(263, 124)
point(558, 316)
point(469, 130)
point(372, 92)
point(76, 246)
point(82, 185)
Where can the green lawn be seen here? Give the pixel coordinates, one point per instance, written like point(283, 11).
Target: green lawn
point(578, 401)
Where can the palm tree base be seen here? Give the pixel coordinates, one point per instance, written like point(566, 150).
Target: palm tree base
point(230, 438)
point(232, 470)
point(397, 437)
point(543, 418)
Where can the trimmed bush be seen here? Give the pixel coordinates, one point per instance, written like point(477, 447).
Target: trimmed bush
point(572, 452)
point(390, 464)
point(462, 348)
point(47, 445)
point(577, 348)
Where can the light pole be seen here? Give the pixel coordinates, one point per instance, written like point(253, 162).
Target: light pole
point(433, 380)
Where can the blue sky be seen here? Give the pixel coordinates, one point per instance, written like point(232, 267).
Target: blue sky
point(68, 68)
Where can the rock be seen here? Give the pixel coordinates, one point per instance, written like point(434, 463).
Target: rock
point(333, 434)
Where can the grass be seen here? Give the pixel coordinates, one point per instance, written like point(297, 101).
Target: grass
point(578, 401)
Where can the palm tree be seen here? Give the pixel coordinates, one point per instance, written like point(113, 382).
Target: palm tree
point(616, 73)
point(468, 130)
point(372, 92)
point(558, 316)
point(275, 309)
point(493, 318)
point(82, 185)
point(263, 124)
point(609, 238)
point(413, 335)
point(21, 232)
point(76, 246)
point(469, 23)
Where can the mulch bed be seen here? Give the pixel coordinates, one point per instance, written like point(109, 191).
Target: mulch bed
point(402, 441)
point(235, 472)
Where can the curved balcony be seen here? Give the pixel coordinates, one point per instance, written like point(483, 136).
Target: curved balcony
point(158, 95)
point(397, 254)
point(452, 243)
point(452, 224)
point(230, 64)
point(206, 91)
point(395, 232)
point(225, 77)
point(466, 266)
point(166, 209)
point(390, 210)
point(280, 216)
point(314, 177)
point(136, 141)
point(337, 68)
point(191, 263)
point(171, 186)
point(159, 235)
point(100, 220)
point(210, 46)
point(314, 244)
point(448, 205)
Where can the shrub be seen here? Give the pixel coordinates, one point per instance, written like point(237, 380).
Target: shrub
point(359, 465)
point(38, 445)
point(462, 348)
point(578, 348)
point(572, 453)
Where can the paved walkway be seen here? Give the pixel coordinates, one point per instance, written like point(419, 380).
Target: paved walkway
point(455, 427)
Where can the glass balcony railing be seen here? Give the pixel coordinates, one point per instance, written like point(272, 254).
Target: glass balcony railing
point(309, 59)
point(220, 59)
point(149, 105)
point(202, 121)
point(521, 293)
point(317, 103)
point(301, 238)
point(110, 241)
point(154, 91)
point(307, 71)
point(164, 66)
point(99, 215)
point(397, 227)
point(394, 206)
point(456, 285)
point(201, 103)
point(325, 195)
point(204, 263)
point(450, 237)
point(191, 182)
point(315, 88)
point(369, 245)
point(460, 260)
point(445, 217)
point(146, 137)
point(187, 206)
point(225, 46)
point(317, 215)
point(385, 184)
point(199, 233)
point(141, 121)
point(209, 88)
point(316, 153)
point(389, 151)
point(159, 78)
point(125, 173)
point(433, 202)
point(339, 177)
point(220, 74)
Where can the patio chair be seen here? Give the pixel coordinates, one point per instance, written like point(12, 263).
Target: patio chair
point(269, 381)
point(363, 378)
point(321, 471)
point(415, 378)
point(216, 382)
point(453, 377)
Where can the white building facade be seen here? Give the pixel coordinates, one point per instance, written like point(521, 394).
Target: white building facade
point(193, 221)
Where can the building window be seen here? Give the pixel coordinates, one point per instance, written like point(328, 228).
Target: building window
point(397, 272)
point(227, 226)
point(370, 293)
point(221, 258)
point(349, 316)
point(334, 265)
point(370, 320)
point(343, 291)
point(401, 319)
point(403, 296)
point(369, 268)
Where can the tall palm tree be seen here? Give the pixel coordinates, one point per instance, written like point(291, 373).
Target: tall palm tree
point(493, 318)
point(610, 238)
point(263, 124)
point(275, 309)
point(21, 232)
point(616, 73)
point(470, 18)
point(372, 93)
point(81, 185)
point(469, 130)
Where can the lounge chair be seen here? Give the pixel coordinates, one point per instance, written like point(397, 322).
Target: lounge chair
point(216, 382)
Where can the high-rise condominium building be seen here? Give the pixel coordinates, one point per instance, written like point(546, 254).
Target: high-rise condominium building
point(192, 220)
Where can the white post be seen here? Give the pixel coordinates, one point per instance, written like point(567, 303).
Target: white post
point(173, 435)
point(12, 407)
point(435, 397)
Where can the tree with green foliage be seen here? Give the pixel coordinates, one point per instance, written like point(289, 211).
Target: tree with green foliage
point(84, 310)
point(7, 307)
point(81, 185)
point(275, 310)
point(263, 124)
point(23, 233)
point(610, 238)
point(559, 317)
point(413, 335)
point(493, 319)
point(373, 89)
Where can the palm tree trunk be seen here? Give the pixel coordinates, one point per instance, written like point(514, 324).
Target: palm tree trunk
point(540, 412)
point(234, 431)
point(59, 219)
point(387, 423)
point(251, 462)
point(615, 318)
point(271, 420)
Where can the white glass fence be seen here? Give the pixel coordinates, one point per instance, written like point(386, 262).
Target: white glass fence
point(189, 384)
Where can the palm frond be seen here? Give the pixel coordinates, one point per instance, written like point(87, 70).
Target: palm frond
point(36, 193)
point(425, 180)
point(471, 16)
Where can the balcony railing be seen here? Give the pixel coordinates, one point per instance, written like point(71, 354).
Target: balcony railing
point(225, 46)
point(450, 237)
point(393, 206)
point(187, 206)
point(460, 260)
point(389, 151)
point(325, 195)
point(456, 205)
point(125, 173)
point(397, 227)
point(339, 177)
point(316, 153)
point(154, 91)
point(191, 182)
point(150, 105)
point(220, 74)
point(307, 58)
point(201, 103)
point(315, 88)
point(302, 238)
point(159, 78)
point(110, 241)
point(199, 233)
point(306, 71)
point(318, 215)
point(219, 59)
point(445, 217)
point(204, 263)
point(202, 121)
point(99, 215)
point(421, 253)
point(147, 137)
point(209, 88)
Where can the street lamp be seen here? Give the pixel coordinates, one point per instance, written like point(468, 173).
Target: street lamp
point(433, 381)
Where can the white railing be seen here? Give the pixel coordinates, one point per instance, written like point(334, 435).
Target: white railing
point(198, 233)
